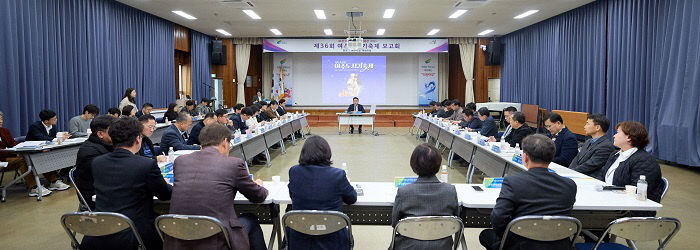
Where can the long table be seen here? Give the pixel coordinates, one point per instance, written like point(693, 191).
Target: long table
point(355, 119)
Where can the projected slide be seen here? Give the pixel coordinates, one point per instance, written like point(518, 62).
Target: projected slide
point(345, 77)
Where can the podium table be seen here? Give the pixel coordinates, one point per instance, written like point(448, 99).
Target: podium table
point(355, 119)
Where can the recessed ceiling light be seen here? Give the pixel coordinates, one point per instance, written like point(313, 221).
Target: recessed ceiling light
point(380, 32)
point(433, 32)
point(485, 32)
point(183, 14)
point(457, 13)
point(223, 32)
point(276, 32)
point(320, 14)
point(328, 32)
point(251, 14)
point(525, 14)
point(389, 13)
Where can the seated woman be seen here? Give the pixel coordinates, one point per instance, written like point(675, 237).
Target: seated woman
point(631, 161)
point(315, 185)
point(171, 113)
point(426, 197)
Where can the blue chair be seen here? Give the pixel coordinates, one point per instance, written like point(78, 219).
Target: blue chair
point(632, 229)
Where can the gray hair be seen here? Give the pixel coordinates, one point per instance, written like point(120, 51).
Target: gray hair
point(183, 117)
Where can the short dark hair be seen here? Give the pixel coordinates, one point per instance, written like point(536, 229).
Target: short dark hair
point(519, 117)
point(127, 110)
point(468, 112)
point(425, 160)
point(355, 98)
point(600, 120)
point(238, 106)
point(456, 102)
point(91, 109)
point(273, 102)
point(189, 103)
point(124, 131)
point(432, 103)
point(554, 117)
point(220, 112)
point(172, 106)
point(183, 117)
point(471, 105)
point(446, 103)
point(484, 111)
point(209, 115)
point(145, 118)
point(114, 111)
point(248, 111)
point(205, 100)
point(282, 101)
point(148, 104)
point(46, 115)
point(510, 109)
point(315, 151)
point(213, 134)
point(639, 138)
point(262, 103)
point(539, 148)
point(101, 123)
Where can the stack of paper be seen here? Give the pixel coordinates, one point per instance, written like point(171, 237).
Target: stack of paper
point(30, 145)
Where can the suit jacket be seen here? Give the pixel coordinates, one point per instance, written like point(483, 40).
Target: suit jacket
point(592, 156)
point(281, 110)
point(441, 113)
point(257, 98)
point(628, 172)
point(147, 143)
point(489, 127)
point(474, 123)
point(37, 132)
point(535, 192)
point(125, 183)
point(172, 138)
point(238, 123)
point(360, 108)
point(170, 115)
point(517, 135)
point(271, 114)
point(456, 115)
point(567, 147)
point(210, 191)
point(425, 197)
point(7, 142)
point(91, 148)
point(139, 114)
point(319, 188)
point(194, 133)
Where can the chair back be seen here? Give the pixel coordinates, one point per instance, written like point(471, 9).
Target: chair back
point(543, 228)
point(665, 184)
point(97, 224)
point(20, 139)
point(190, 227)
point(81, 199)
point(317, 222)
point(429, 228)
point(660, 229)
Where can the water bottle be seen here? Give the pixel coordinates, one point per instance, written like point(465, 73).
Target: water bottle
point(443, 174)
point(171, 155)
point(518, 150)
point(642, 188)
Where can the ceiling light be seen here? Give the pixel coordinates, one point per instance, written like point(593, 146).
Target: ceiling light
point(251, 14)
point(433, 32)
point(320, 14)
point(485, 32)
point(389, 13)
point(457, 13)
point(223, 32)
point(276, 32)
point(525, 14)
point(328, 32)
point(380, 32)
point(183, 14)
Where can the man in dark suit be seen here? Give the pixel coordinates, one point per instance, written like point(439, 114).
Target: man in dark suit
point(174, 136)
point(565, 141)
point(356, 107)
point(211, 192)
point(98, 143)
point(145, 109)
point(595, 152)
point(535, 192)
point(44, 130)
point(488, 124)
point(519, 129)
point(281, 110)
point(194, 132)
point(147, 148)
point(125, 183)
point(239, 120)
point(469, 120)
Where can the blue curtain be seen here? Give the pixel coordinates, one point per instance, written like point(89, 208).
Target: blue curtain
point(630, 59)
point(63, 55)
point(201, 66)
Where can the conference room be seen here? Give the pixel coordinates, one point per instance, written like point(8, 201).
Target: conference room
point(296, 124)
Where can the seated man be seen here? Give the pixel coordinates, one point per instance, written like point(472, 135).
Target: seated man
point(145, 110)
point(488, 124)
point(469, 122)
point(567, 146)
point(114, 112)
point(175, 136)
point(45, 129)
point(80, 124)
point(194, 132)
point(457, 108)
point(189, 107)
point(272, 110)
point(356, 107)
point(446, 110)
point(236, 110)
point(507, 115)
point(535, 192)
point(239, 121)
point(262, 115)
point(125, 183)
point(222, 119)
point(147, 148)
point(519, 131)
point(281, 110)
point(212, 192)
point(595, 151)
point(203, 107)
point(97, 144)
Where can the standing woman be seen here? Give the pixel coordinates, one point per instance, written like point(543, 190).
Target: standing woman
point(129, 98)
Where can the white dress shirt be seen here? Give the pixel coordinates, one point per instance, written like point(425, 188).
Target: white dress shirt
point(252, 122)
point(623, 157)
point(48, 128)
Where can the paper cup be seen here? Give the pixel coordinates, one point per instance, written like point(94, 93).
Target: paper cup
point(276, 179)
point(630, 189)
